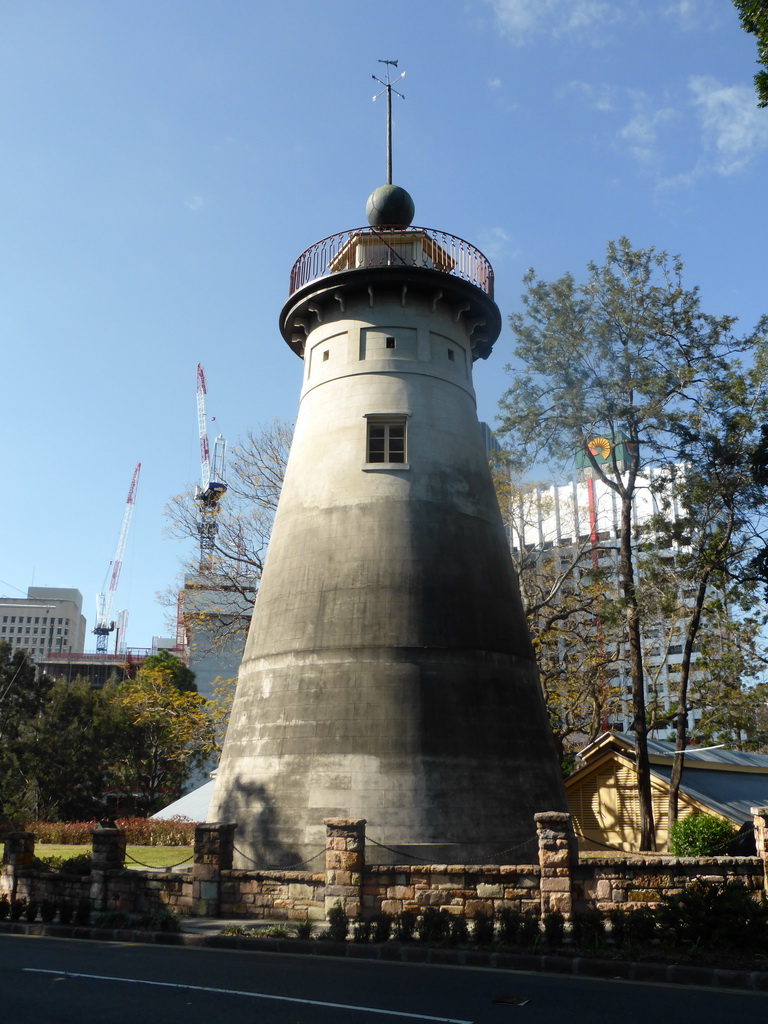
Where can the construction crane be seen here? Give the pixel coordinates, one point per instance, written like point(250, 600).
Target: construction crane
point(122, 627)
point(213, 484)
point(104, 623)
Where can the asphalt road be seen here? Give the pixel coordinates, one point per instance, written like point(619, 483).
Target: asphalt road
point(64, 981)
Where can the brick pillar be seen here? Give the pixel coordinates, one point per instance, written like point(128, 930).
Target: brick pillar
point(108, 854)
point(557, 855)
point(760, 822)
point(18, 854)
point(344, 864)
point(213, 851)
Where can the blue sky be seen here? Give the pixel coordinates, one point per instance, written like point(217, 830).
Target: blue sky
point(164, 162)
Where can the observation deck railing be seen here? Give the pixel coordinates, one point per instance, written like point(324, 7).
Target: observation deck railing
point(364, 248)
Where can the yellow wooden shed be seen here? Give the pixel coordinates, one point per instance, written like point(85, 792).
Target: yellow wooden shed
point(602, 795)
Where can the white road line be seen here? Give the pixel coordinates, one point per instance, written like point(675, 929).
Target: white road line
point(252, 995)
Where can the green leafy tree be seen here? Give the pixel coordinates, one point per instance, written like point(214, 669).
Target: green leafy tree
point(55, 743)
point(166, 736)
point(66, 754)
point(172, 669)
point(718, 520)
point(22, 698)
point(754, 19)
point(617, 356)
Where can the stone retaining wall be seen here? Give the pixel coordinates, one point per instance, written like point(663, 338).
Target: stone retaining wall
point(622, 884)
point(273, 895)
point(461, 889)
point(560, 881)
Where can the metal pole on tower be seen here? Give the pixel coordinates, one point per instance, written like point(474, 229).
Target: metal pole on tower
point(388, 89)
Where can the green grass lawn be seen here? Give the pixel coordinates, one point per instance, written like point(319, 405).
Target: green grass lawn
point(153, 856)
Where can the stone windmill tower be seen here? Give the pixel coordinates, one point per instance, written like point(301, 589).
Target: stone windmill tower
point(388, 672)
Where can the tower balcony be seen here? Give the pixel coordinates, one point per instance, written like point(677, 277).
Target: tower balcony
point(369, 248)
point(401, 262)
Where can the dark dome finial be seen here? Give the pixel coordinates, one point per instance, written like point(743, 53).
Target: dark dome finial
point(389, 206)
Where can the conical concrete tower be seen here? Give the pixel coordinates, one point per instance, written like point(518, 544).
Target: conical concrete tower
point(388, 672)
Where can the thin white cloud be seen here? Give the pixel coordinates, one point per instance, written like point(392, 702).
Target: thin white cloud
point(599, 97)
point(494, 242)
point(734, 130)
point(519, 19)
point(494, 83)
point(641, 132)
point(194, 203)
point(692, 14)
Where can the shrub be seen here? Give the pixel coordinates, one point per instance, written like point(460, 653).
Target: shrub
point(716, 915)
point(434, 926)
point(274, 931)
point(382, 927)
point(80, 864)
point(482, 933)
point(701, 835)
point(177, 831)
point(5, 907)
point(528, 933)
point(631, 929)
point(338, 924)
point(405, 925)
point(304, 929)
point(83, 912)
point(237, 929)
point(509, 924)
point(554, 928)
point(30, 911)
point(158, 920)
point(17, 908)
point(47, 911)
point(459, 931)
point(66, 911)
point(65, 833)
point(361, 931)
point(587, 928)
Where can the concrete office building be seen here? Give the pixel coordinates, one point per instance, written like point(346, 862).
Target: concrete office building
point(213, 624)
point(48, 620)
point(388, 672)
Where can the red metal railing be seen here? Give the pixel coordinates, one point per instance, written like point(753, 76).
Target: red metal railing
point(132, 654)
point(366, 247)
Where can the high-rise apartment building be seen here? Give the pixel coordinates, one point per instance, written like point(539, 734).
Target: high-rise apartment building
point(583, 513)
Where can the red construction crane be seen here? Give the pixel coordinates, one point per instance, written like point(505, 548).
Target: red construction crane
point(213, 485)
point(104, 624)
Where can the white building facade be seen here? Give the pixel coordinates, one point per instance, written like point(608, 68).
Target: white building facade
point(583, 515)
point(48, 620)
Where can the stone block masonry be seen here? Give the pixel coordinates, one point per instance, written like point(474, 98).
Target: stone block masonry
point(211, 887)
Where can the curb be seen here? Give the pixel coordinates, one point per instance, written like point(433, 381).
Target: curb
point(538, 963)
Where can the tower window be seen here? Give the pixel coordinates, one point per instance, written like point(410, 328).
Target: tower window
point(390, 343)
point(451, 355)
point(326, 354)
point(386, 441)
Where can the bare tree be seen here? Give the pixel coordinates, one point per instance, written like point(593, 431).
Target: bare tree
point(229, 581)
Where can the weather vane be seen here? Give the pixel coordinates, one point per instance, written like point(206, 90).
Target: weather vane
point(389, 90)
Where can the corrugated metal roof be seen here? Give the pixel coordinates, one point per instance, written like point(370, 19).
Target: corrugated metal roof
point(741, 758)
point(731, 794)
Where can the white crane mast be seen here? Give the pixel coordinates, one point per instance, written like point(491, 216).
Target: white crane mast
point(212, 482)
point(202, 427)
point(104, 624)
